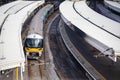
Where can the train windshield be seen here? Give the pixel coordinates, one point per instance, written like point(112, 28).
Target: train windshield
point(34, 43)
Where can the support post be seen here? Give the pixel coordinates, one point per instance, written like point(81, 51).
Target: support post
point(16, 73)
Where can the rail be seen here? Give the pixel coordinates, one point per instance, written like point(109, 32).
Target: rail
point(52, 74)
point(84, 63)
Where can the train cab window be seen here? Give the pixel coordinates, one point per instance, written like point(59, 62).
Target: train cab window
point(34, 43)
point(40, 43)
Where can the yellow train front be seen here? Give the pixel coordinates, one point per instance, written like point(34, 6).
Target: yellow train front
point(34, 46)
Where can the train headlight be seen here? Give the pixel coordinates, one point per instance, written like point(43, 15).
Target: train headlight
point(40, 53)
point(27, 53)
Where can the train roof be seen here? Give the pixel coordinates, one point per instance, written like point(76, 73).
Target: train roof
point(36, 24)
point(93, 24)
point(35, 36)
point(11, 49)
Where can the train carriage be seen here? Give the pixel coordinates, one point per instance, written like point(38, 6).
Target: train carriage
point(34, 40)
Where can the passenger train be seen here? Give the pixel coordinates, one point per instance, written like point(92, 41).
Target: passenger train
point(34, 39)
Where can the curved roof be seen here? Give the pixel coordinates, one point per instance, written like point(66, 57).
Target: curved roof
point(108, 13)
point(36, 24)
point(11, 49)
point(114, 5)
point(98, 19)
point(6, 7)
point(93, 24)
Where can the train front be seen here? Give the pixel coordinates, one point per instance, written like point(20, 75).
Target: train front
point(34, 46)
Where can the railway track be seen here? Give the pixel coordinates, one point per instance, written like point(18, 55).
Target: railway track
point(34, 70)
point(104, 65)
point(66, 66)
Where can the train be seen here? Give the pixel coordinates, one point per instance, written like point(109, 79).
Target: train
point(33, 44)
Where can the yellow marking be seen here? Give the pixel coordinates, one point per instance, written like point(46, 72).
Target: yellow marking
point(16, 73)
point(34, 49)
